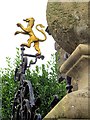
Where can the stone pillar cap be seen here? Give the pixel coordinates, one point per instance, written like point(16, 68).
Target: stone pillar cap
point(82, 49)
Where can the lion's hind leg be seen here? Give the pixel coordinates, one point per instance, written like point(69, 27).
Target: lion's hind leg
point(27, 44)
point(36, 46)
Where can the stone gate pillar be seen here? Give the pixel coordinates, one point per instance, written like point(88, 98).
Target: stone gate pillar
point(69, 24)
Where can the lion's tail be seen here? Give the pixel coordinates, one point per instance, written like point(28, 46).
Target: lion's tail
point(42, 31)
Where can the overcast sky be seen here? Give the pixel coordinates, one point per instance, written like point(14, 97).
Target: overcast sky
point(14, 11)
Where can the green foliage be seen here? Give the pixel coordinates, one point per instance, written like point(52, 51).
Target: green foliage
point(8, 86)
point(45, 84)
point(43, 79)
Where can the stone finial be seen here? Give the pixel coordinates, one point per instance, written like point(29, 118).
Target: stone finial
point(69, 23)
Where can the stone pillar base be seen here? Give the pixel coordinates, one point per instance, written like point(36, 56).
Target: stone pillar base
point(73, 105)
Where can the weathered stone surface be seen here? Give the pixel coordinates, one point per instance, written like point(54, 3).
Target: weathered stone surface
point(77, 66)
point(69, 23)
point(76, 104)
point(73, 105)
point(59, 59)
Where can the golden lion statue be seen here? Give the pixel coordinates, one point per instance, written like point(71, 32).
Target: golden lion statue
point(29, 31)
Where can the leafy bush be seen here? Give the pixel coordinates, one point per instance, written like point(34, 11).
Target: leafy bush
point(43, 79)
point(8, 86)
